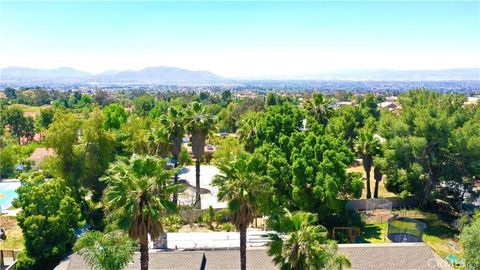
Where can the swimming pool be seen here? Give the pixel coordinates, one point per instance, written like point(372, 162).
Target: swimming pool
point(7, 194)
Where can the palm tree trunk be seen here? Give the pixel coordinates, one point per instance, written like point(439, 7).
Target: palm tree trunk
point(367, 165)
point(175, 181)
point(143, 256)
point(243, 246)
point(369, 192)
point(377, 175)
point(198, 203)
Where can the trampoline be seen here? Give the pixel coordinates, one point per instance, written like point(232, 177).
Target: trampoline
point(403, 229)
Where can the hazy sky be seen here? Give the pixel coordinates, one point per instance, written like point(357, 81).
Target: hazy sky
point(241, 38)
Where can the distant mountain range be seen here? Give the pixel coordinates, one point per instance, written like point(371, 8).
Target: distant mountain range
point(148, 75)
point(173, 75)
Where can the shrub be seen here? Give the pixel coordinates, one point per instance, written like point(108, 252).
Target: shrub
point(172, 223)
point(222, 216)
point(227, 227)
point(184, 158)
point(470, 238)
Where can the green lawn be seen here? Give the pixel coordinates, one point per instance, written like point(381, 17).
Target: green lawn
point(28, 110)
point(438, 234)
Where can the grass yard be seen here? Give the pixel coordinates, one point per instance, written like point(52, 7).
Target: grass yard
point(438, 234)
point(14, 234)
point(32, 111)
point(382, 191)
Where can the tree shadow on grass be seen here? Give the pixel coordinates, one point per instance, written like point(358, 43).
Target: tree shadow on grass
point(370, 232)
point(436, 227)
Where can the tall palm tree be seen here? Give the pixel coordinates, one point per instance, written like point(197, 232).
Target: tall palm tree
point(367, 146)
point(248, 132)
point(199, 124)
point(138, 196)
point(105, 251)
point(303, 245)
point(319, 107)
point(242, 185)
point(174, 122)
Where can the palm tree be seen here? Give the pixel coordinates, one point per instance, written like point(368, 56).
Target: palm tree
point(320, 108)
point(158, 141)
point(138, 196)
point(199, 124)
point(241, 185)
point(303, 245)
point(248, 132)
point(367, 146)
point(174, 122)
point(105, 251)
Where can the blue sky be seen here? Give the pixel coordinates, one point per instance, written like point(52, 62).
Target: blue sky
point(249, 39)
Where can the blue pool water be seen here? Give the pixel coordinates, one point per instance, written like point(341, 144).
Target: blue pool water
point(7, 194)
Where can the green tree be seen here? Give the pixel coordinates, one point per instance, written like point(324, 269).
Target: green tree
point(309, 167)
point(62, 136)
point(133, 135)
point(227, 149)
point(184, 158)
point(14, 119)
point(105, 251)
point(248, 131)
point(45, 118)
point(137, 196)
point(470, 238)
point(143, 104)
point(367, 146)
point(241, 185)
point(227, 96)
point(320, 108)
point(28, 128)
point(199, 124)
point(10, 93)
point(158, 143)
point(303, 245)
point(174, 123)
point(434, 140)
point(96, 153)
point(114, 116)
point(270, 99)
point(48, 217)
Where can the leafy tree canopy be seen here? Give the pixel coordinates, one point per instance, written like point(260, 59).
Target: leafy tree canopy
point(434, 140)
point(48, 217)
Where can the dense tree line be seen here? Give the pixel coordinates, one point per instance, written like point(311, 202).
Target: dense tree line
point(287, 160)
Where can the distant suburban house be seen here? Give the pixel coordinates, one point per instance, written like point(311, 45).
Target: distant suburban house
point(39, 155)
point(391, 106)
point(209, 149)
point(343, 104)
point(472, 101)
point(406, 256)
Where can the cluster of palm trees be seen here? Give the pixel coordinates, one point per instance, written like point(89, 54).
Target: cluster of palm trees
point(140, 193)
point(166, 139)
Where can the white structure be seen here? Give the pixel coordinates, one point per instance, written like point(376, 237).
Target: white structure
point(208, 193)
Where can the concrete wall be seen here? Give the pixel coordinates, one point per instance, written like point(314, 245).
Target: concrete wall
point(361, 204)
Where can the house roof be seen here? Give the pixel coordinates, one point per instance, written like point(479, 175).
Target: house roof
point(409, 256)
point(40, 153)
